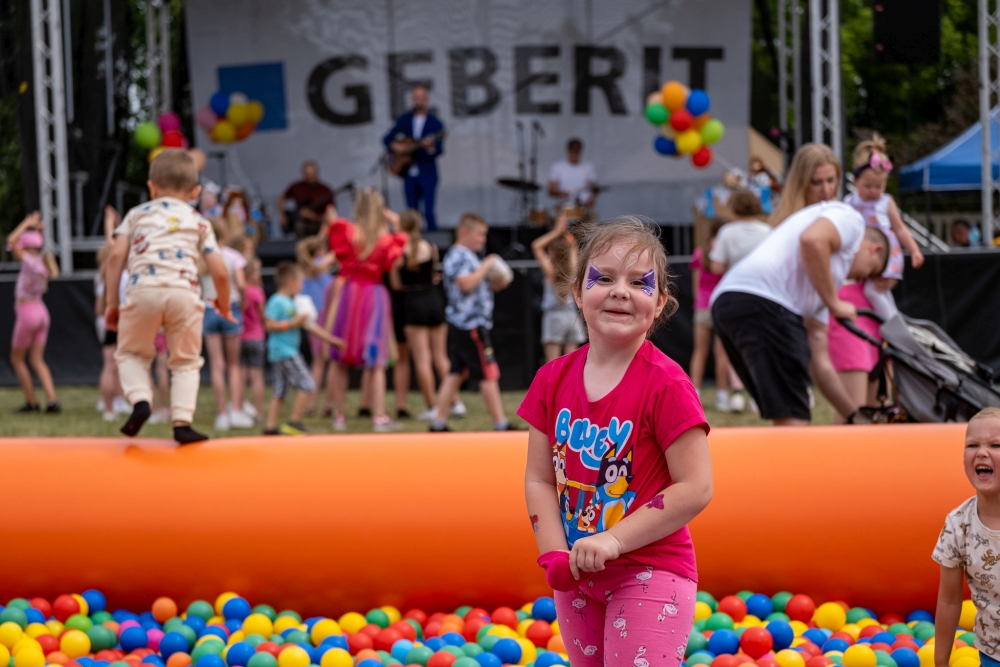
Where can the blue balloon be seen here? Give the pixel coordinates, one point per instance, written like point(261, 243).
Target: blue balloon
point(219, 103)
point(453, 639)
point(698, 102)
point(664, 146)
point(400, 649)
point(95, 600)
point(548, 659)
point(544, 609)
point(508, 650)
point(485, 659)
point(237, 608)
point(906, 657)
point(433, 643)
point(835, 645)
point(34, 616)
point(920, 615)
point(239, 654)
point(172, 642)
point(723, 641)
point(210, 660)
point(760, 605)
point(782, 634)
point(884, 637)
point(133, 638)
point(815, 635)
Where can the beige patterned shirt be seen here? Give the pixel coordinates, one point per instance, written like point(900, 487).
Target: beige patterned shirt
point(166, 238)
point(965, 542)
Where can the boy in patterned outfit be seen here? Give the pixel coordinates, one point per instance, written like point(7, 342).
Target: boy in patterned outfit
point(162, 241)
point(970, 541)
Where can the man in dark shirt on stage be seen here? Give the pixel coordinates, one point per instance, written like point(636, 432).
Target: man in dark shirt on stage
point(303, 203)
point(421, 177)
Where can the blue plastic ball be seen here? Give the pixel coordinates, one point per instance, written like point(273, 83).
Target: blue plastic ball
point(508, 650)
point(723, 641)
point(759, 605)
point(486, 659)
point(369, 662)
point(233, 625)
point(34, 616)
point(237, 608)
point(220, 105)
point(210, 660)
point(782, 634)
point(548, 659)
point(864, 640)
point(154, 660)
point(214, 631)
point(664, 146)
point(95, 600)
point(239, 654)
point(337, 641)
point(313, 657)
point(906, 657)
point(120, 616)
point(544, 609)
point(433, 643)
point(310, 622)
point(815, 635)
point(698, 102)
point(920, 615)
point(884, 637)
point(133, 638)
point(400, 649)
point(196, 623)
point(86, 662)
point(453, 639)
point(150, 624)
point(172, 642)
point(835, 645)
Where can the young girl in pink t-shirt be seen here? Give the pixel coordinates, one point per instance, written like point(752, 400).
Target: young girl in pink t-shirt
point(618, 463)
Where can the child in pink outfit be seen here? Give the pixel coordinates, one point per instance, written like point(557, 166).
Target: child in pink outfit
point(618, 464)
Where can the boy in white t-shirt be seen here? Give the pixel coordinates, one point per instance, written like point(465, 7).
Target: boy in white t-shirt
point(969, 545)
point(737, 239)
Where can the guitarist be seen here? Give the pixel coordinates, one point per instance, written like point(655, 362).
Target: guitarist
point(420, 179)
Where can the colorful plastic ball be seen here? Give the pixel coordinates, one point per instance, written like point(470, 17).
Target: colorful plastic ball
point(800, 608)
point(690, 142)
point(164, 609)
point(179, 659)
point(239, 654)
point(441, 659)
point(293, 656)
point(133, 638)
point(95, 600)
point(508, 650)
point(819, 661)
point(173, 642)
point(830, 615)
point(488, 659)
point(674, 95)
point(681, 120)
point(386, 639)
point(790, 658)
point(4, 655)
point(419, 655)
point(664, 146)
point(358, 642)
point(377, 617)
point(74, 643)
point(967, 620)
point(14, 615)
point(352, 622)
point(264, 659)
point(711, 132)
point(335, 657)
point(816, 636)
point(200, 608)
point(471, 662)
point(260, 624)
point(781, 599)
point(472, 649)
point(834, 644)
point(718, 621)
point(544, 609)
point(707, 598)
point(434, 643)
point(859, 655)
point(370, 662)
point(539, 633)
point(759, 605)
point(697, 102)
point(755, 642)
point(29, 658)
point(101, 638)
point(48, 643)
point(723, 641)
point(657, 114)
point(210, 660)
point(702, 157)
point(42, 605)
point(504, 616)
point(147, 136)
point(698, 658)
point(235, 607)
point(10, 633)
point(400, 649)
point(219, 103)
point(915, 615)
point(781, 633)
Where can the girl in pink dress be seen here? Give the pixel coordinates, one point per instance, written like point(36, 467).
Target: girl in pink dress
point(703, 283)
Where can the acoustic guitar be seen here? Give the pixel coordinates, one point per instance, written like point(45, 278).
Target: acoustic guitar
point(397, 162)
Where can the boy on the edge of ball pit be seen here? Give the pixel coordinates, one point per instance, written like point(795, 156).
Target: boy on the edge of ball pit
point(618, 463)
point(970, 541)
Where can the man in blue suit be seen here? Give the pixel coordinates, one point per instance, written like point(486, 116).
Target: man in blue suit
point(420, 180)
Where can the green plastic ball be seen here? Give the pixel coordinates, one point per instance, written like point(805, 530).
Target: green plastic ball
point(744, 595)
point(298, 637)
point(277, 639)
point(147, 135)
point(463, 610)
point(522, 615)
point(779, 600)
point(883, 659)
point(465, 662)
point(118, 663)
point(703, 659)
point(101, 617)
point(718, 621)
point(454, 650)
point(657, 114)
point(262, 659)
point(482, 632)
point(14, 615)
point(265, 609)
point(472, 649)
point(696, 642)
point(419, 655)
point(383, 656)
point(254, 640)
point(700, 625)
point(488, 641)
point(901, 629)
point(207, 648)
point(416, 626)
point(101, 638)
point(79, 622)
point(706, 597)
point(392, 662)
point(378, 617)
point(190, 635)
point(837, 659)
point(290, 612)
point(855, 614)
point(924, 630)
point(968, 637)
point(201, 609)
point(778, 616)
point(19, 603)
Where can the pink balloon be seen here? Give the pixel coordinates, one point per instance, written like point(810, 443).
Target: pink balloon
point(205, 118)
point(169, 121)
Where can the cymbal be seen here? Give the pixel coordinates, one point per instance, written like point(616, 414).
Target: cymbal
point(600, 188)
point(518, 184)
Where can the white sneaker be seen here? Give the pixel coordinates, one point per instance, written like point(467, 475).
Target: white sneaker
point(249, 409)
point(239, 419)
point(428, 415)
point(110, 417)
point(161, 416)
point(339, 424)
point(100, 405)
point(458, 409)
point(221, 423)
point(721, 401)
point(812, 398)
point(753, 407)
point(737, 402)
point(386, 426)
point(120, 406)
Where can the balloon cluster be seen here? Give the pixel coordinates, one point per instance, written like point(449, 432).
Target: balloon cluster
point(164, 133)
point(229, 117)
point(686, 127)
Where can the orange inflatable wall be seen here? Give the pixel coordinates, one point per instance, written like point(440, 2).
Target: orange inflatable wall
point(329, 524)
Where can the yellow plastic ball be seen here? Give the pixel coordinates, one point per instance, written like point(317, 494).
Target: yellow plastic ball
point(926, 655)
point(502, 631)
point(555, 628)
point(208, 638)
point(528, 651)
point(237, 636)
point(689, 141)
point(674, 94)
point(32, 658)
point(294, 656)
point(799, 641)
point(75, 644)
point(798, 627)
point(352, 621)
point(36, 630)
point(859, 655)
point(337, 657)
point(789, 658)
point(853, 630)
point(522, 627)
point(10, 634)
point(55, 627)
point(258, 624)
point(967, 621)
point(701, 611)
point(322, 629)
point(84, 607)
point(831, 616)
point(966, 662)
point(865, 622)
point(216, 620)
point(221, 601)
point(751, 621)
point(4, 655)
point(393, 613)
point(283, 623)
point(963, 653)
point(26, 643)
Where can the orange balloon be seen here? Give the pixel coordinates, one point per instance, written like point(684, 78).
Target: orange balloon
point(699, 121)
point(674, 94)
point(245, 130)
point(179, 659)
point(556, 644)
point(164, 609)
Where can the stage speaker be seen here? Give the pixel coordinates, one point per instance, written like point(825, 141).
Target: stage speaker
point(906, 32)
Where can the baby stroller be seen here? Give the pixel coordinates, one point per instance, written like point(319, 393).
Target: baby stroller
point(935, 381)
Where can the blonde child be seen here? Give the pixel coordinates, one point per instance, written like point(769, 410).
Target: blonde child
point(315, 260)
point(252, 347)
point(610, 513)
point(161, 241)
point(971, 534)
point(31, 319)
point(562, 330)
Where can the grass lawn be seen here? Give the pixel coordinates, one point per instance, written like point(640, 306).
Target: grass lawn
point(80, 418)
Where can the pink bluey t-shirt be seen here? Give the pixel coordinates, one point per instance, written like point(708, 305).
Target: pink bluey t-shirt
point(707, 281)
point(608, 455)
point(253, 325)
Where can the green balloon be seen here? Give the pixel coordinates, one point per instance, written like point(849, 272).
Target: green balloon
point(100, 617)
point(19, 603)
point(712, 131)
point(488, 641)
point(419, 655)
point(696, 642)
point(472, 649)
point(463, 610)
point(190, 635)
point(778, 616)
point(924, 630)
point(79, 622)
point(657, 114)
point(718, 621)
point(298, 637)
point(201, 609)
point(101, 638)
point(262, 659)
point(267, 610)
point(14, 615)
point(465, 662)
point(883, 659)
point(706, 597)
point(779, 600)
point(147, 135)
point(293, 614)
point(378, 617)
point(700, 659)
point(902, 629)
point(855, 614)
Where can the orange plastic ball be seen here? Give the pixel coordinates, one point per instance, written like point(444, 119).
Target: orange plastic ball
point(556, 644)
point(179, 659)
point(164, 609)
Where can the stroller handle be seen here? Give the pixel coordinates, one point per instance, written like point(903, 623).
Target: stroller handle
point(870, 314)
point(857, 331)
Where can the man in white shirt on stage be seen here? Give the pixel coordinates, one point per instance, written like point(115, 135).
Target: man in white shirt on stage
point(572, 181)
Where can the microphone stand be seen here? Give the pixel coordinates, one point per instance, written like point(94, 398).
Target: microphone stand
point(515, 248)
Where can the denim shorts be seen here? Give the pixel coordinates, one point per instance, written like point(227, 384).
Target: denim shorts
point(216, 324)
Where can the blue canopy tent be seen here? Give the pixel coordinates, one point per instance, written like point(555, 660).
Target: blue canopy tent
point(954, 166)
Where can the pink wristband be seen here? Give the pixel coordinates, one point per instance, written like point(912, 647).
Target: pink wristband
point(557, 571)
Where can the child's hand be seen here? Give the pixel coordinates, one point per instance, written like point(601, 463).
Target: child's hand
point(224, 311)
point(589, 554)
point(917, 258)
point(111, 318)
point(338, 342)
point(298, 321)
point(884, 284)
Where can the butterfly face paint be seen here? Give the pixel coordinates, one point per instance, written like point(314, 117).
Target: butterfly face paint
point(593, 275)
point(649, 282)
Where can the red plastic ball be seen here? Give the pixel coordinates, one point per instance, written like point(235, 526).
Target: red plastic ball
point(441, 659)
point(843, 635)
point(42, 605)
point(417, 615)
point(371, 630)
point(539, 633)
point(476, 612)
point(436, 617)
point(505, 616)
point(734, 606)
point(405, 630)
point(269, 647)
point(64, 607)
point(471, 628)
point(800, 608)
point(904, 642)
point(808, 648)
point(702, 157)
point(881, 646)
point(359, 642)
point(891, 619)
point(681, 120)
point(432, 629)
point(756, 642)
point(742, 659)
point(107, 654)
point(819, 661)
point(48, 643)
point(869, 631)
point(386, 638)
point(724, 660)
point(766, 661)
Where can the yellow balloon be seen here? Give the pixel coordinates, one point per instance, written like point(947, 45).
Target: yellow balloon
point(10, 634)
point(859, 655)
point(323, 629)
point(789, 658)
point(689, 141)
point(964, 653)
point(294, 656)
point(154, 152)
point(224, 133)
point(258, 624)
point(830, 615)
point(528, 651)
point(337, 657)
point(967, 621)
point(32, 658)
point(674, 94)
point(701, 611)
point(255, 111)
point(75, 644)
point(352, 621)
point(237, 114)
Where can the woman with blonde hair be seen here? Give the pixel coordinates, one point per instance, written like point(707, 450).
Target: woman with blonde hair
point(813, 176)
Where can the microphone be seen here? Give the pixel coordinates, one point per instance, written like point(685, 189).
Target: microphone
point(538, 128)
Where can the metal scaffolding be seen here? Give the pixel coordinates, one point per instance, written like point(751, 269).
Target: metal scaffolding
point(989, 95)
point(824, 50)
point(158, 57)
point(789, 48)
point(50, 127)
